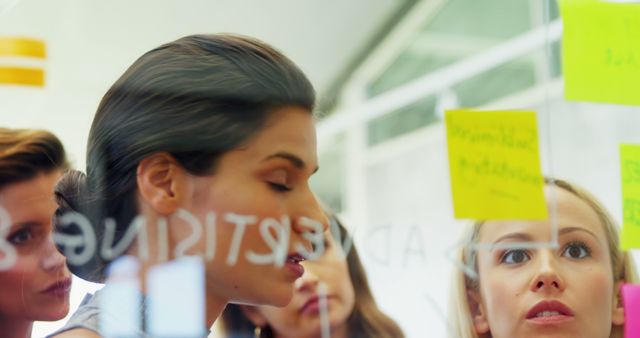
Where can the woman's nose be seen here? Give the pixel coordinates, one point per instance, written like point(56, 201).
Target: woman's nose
point(52, 260)
point(547, 277)
point(308, 282)
point(309, 216)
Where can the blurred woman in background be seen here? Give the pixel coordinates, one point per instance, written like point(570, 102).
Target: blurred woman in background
point(332, 297)
point(34, 280)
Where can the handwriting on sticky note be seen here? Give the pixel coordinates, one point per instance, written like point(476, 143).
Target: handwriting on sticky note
point(630, 174)
point(600, 51)
point(494, 165)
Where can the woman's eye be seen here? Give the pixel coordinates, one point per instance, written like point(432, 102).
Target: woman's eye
point(576, 251)
point(515, 257)
point(279, 180)
point(21, 237)
point(279, 187)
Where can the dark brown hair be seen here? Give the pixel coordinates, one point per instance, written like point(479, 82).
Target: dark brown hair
point(366, 320)
point(26, 153)
point(194, 98)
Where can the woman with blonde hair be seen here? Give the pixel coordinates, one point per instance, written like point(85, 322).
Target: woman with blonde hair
point(350, 308)
point(516, 286)
point(34, 281)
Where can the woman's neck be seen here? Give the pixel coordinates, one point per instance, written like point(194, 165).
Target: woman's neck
point(214, 308)
point(214, 305)
point(340, 331)
point(15, 328)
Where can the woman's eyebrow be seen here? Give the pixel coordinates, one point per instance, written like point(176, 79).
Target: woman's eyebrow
point(521, 237)
point(295, 160)
point(566, 230)
point(23, 225)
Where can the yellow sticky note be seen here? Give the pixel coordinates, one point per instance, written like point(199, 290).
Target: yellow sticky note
point(22, 47)
point(630, 173)
point(601, 51)
point(494, 165)
point(22, 76)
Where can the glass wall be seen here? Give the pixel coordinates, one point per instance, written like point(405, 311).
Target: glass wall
point(393, 70)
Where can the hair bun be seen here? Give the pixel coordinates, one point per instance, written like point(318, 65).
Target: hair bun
point(69, 191)
point(71, 194)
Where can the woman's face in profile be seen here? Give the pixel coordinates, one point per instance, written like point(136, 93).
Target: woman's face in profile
point(566, 291)
point(267, 178)
point(302, 317)
point(37, 286)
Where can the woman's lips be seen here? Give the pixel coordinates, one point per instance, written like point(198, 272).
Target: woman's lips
point(549, 312)
point(59, 288)
point(293, 264)
point(313, 305)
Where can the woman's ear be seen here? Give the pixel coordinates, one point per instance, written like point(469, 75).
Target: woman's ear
point(478, 312)
point(254, 315)
point(160, 179)
point(617, 315)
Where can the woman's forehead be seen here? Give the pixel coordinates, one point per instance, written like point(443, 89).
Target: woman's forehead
point(565, 210)
point(291, 132)
point(35, 190)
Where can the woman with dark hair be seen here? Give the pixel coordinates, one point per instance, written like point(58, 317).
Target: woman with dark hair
point(34, 281)
point(213, 130)
point(332, 297)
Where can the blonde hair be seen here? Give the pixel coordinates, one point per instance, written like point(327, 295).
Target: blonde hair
point(623, 268)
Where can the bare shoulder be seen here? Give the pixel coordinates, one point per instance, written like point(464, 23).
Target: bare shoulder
point(77, 333)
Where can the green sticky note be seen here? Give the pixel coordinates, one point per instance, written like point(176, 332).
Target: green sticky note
point(601, 51)
point(494, 165)
point(630, 173)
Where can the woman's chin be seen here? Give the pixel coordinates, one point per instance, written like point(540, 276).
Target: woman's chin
point(271, 296)
point(54, 314)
